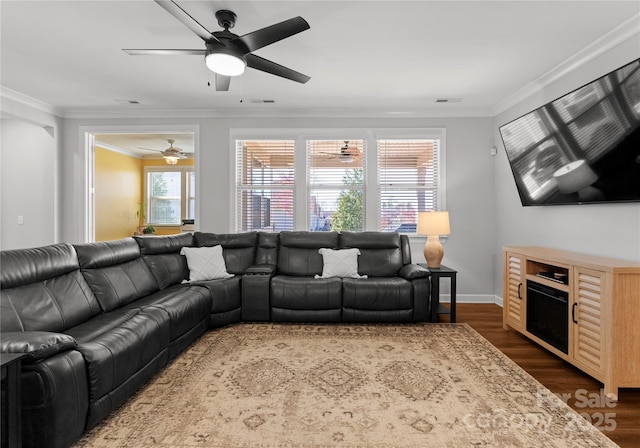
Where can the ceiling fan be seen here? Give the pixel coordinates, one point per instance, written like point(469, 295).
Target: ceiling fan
point(227, 54)
point(172, 154)
point(347, 153)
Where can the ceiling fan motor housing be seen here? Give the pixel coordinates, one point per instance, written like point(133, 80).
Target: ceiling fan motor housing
point(227, 54)
point(226, 18)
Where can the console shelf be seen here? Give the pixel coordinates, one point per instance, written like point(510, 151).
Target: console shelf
point(604, 309)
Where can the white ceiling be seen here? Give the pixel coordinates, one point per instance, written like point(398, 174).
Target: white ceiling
point(391, 57)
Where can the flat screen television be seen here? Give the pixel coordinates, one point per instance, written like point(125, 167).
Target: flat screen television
point(581, 148)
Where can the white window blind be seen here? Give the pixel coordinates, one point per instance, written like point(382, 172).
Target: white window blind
point(409, 181)
point(336, 184)
point(265, 185)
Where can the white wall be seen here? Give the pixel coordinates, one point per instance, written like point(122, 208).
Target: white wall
point(486, 213)
point(611, 230)
point(469, 180)
point(28, 161)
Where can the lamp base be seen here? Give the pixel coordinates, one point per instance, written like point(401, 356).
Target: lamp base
point(433, 251)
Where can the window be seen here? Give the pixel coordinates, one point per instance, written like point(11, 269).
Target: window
point(265, 184)
point(170, 194)
point(336, 184)
point(352, 180)
point(408, 173)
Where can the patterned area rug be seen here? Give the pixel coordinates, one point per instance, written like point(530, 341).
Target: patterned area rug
point(311, 386)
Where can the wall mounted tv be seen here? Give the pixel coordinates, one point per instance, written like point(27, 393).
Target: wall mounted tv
point(583, 147)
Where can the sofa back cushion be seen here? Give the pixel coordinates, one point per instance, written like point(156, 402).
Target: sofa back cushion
point(380, 252)
point(298, 253)
point(267, 250)
point(42, 289)
point(116, 272)
point(239, 249)
point(162, 256)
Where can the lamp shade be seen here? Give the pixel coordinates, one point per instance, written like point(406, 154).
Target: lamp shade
point(575, 176)
point(225, 61)
point(433, 223)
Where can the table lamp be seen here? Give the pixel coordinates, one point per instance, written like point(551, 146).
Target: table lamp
point(433, 224)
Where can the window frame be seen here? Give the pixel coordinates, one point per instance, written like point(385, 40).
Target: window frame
point(336, 186)
point(184, 190)
point(239, 186)
point(432, 185)
point(301, 200)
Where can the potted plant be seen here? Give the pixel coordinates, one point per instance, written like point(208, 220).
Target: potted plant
point(143, 229)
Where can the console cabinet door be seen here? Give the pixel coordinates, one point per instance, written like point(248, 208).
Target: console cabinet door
point(514, 292)
point(586, 314)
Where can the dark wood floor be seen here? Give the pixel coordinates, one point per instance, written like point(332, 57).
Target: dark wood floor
point(621, 423)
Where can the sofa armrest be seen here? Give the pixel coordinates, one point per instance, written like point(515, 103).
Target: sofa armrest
point(413, 271)
point(37, 345)
point(261, 269)
point(256, 292)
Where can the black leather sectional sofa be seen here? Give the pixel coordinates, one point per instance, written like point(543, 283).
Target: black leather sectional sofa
point(96, 321)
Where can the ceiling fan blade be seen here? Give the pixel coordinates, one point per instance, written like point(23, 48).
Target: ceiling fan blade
point(150, 52)
point(149, 149)
point(265, 65)
point(183, 16)
point(270, 34)
point(222, 83)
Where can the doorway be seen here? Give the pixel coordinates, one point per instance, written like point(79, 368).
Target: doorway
point(132, 181)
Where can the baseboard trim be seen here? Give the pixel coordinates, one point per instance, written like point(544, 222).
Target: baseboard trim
point(473, 298)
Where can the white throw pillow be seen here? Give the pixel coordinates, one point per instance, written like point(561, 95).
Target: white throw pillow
point(340, 263)
point(205, 263)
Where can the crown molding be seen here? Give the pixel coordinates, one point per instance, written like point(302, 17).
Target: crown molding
point(7, 94)
point(117, 149)
point(276, 113)
point(623, 32)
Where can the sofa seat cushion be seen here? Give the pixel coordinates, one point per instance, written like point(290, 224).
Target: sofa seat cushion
point(118, 344)
point(305, 299)
point(185, 305)
point(377, 294)
point(306, 293)
point(225, 294)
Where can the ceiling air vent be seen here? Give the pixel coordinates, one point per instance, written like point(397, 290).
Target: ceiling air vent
point(449, 100)
point(127, 101)
point(254, 101)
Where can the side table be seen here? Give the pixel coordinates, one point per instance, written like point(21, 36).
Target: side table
point(11, 420)
point(436, 307)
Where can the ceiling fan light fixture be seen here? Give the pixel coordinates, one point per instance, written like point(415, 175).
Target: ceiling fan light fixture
point(225, 61)
point(171, 160)
point(347, 158)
